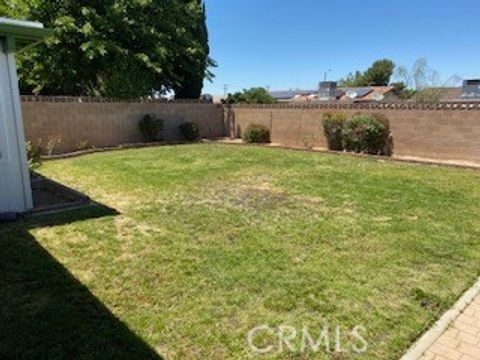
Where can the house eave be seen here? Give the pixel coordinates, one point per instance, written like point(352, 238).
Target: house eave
point(21, 34)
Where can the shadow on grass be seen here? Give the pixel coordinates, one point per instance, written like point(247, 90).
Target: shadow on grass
point(45, 313)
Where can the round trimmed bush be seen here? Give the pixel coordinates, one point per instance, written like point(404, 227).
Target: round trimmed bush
point(256, 134)
point(332, 127)
point(190, 131)
point(367, 134)
point(386, 138)
point(151, 127)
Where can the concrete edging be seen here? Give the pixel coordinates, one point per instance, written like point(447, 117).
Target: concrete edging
point(433, 334)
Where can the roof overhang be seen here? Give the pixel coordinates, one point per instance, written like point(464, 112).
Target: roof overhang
point(20, 34)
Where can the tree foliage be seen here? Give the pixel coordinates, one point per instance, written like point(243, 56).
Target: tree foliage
point(423, 83)
point(118, 48)
point(402, 91)
point(419, 76)
point(194, 69)
point(378, 74)
point(352, 80)
point(256, 95)
point(13, 8)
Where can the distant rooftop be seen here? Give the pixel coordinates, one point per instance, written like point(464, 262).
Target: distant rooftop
point(329, 91)
point(289, 94)
point(363, 93)
point(454, 94)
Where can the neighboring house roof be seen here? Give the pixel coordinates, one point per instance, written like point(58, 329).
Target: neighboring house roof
point(290, 94)
point(366, 93)
point(443, 94)
point(448, 94)
point(360, 91)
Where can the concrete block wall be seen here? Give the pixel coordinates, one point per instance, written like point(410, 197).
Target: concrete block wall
point(104, 124)
point(448, 131)
point(438, 132)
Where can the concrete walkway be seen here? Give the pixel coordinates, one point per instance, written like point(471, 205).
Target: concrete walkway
point(462, 339)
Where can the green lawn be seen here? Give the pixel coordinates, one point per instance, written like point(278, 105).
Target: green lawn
point(213, 240)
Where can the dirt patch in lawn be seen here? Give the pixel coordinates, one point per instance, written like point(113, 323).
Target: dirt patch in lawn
point(250, 194)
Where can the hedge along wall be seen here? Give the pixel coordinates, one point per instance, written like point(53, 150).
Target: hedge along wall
point(449, 131)
point(102, 123)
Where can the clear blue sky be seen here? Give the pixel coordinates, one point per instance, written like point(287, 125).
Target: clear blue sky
point(289, 44)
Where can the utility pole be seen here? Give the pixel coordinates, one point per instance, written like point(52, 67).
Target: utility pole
point(225, 90)
point(325, 74)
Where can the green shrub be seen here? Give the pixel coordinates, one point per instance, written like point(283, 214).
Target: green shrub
point(34, 155)
point(386, 138)
point(151, 127)
point(190, 131)
point(332, 127)
point(256, 134)
point(367, 134)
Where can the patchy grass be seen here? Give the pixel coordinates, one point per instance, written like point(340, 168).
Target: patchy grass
point(211, 241)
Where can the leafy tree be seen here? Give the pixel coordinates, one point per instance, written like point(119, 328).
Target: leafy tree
point(13, 8)
point(119, 48)
point(256, 95)
point(378, 74)
point(195, 69)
